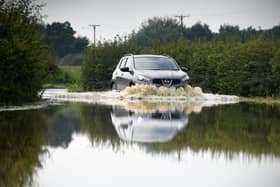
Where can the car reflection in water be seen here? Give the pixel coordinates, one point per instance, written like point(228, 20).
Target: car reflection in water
point(147, 127)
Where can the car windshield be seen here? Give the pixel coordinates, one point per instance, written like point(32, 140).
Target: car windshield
point(154, 63)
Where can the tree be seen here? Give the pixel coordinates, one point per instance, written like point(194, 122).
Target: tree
point(274, 33)
point(275, 64)
point(199, 32)
point(60, 38)
point(229, 32)
point(24, 58)
point(157, 30)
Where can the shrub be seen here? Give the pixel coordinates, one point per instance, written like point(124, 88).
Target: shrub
point(24, 57)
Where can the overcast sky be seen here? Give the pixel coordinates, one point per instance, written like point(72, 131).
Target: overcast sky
point(122, 16)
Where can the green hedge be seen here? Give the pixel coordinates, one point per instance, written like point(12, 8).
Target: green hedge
point(248, 69)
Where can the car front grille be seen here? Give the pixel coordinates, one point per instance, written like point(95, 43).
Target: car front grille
point(166, 82)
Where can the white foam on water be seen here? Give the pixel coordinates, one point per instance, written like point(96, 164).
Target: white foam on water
point(150, 90)
point(50, 92)
point(143, 92)
point(32, 106)
point(152, 98)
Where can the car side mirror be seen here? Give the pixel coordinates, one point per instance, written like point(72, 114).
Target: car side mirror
point(125, 69)
point(185, 69)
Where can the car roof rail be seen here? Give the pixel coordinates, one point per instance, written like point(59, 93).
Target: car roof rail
point(129, 54)
point(167, 55)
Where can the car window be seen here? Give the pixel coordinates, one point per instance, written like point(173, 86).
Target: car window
point(120, 63)
point(154, 63)
point(123, 63)
point(129, 62)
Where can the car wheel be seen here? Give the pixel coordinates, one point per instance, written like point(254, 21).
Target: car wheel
point(131, 84)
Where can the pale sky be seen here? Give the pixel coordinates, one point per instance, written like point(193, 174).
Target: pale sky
point(122, 16)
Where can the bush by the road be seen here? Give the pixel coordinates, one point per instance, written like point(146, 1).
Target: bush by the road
point(24, 58)
point(248, 68)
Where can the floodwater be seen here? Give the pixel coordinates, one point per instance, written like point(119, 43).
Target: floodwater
point(82, 144)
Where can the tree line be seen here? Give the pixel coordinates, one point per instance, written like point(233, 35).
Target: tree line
point(160, 30)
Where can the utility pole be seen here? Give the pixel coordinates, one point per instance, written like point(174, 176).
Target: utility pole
point(117, 39)
point(94, 30)
point(181, 17)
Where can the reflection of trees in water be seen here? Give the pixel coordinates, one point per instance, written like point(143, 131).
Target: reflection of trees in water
point(92, 120)
point(97, 124)
point(62, 127)
point(247, 128)
point(22, 134)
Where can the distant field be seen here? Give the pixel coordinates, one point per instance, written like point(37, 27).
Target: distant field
point(72, 82)
point(73, 71)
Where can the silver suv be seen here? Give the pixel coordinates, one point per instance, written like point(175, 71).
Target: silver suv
point(157, 70)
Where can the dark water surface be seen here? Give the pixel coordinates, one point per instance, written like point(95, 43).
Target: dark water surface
point(91, 145)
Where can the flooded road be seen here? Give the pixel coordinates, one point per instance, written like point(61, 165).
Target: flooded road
point(141, 144)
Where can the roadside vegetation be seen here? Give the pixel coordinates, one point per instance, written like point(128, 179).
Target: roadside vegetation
point(233, 61)
point(24, 56)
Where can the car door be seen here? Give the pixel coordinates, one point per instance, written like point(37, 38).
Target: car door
point(119, 74)
point(127, 76)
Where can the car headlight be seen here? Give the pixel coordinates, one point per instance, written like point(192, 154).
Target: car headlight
point(142, 78)
point(185, 78)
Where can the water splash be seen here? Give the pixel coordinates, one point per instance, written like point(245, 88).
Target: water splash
point(146, 90)
point(148, 98)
